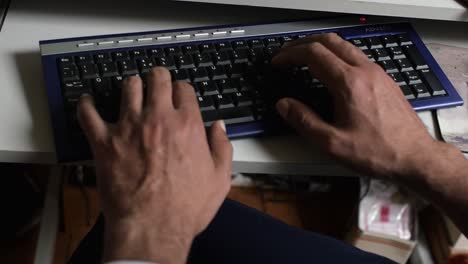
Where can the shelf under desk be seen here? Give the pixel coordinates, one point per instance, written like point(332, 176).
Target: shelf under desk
point(26, 134)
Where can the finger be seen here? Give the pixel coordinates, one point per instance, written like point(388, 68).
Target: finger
point(221, 148)
point(92, 124)
point(132, 97)
point(322, 63)
point(184, 98)
point(159, 93)
point(336, 44)
point(304, 120)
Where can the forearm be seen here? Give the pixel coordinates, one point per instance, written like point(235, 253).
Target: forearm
point(441, 176)
point(143, 242)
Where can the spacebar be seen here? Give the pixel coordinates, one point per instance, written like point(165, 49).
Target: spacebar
point(236, 115)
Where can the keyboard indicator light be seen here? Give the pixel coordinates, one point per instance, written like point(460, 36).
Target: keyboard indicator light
point(124, 41)
point(164, 38)
point(144, 39)
point(219, 33)
point(237, 31)
point(184, 36)
point(200, 35)
point(82, 45)
point(106, 43)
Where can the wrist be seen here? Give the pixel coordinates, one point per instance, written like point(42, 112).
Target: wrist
point(135, 240)
point(434, 164)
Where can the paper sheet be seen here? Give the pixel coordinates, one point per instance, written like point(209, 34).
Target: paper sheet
point(453, 122)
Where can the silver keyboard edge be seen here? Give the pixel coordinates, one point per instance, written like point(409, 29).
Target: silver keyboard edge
point(250, 31)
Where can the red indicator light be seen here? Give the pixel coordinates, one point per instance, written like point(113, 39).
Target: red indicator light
point(363, 20)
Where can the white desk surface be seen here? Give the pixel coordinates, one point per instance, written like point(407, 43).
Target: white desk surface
point(26, 134)
point(428, 9)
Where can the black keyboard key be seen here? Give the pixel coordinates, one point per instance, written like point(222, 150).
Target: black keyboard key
point(381, 54)
point(369, 55)
point(209, 117)
point(217, 72)
point(145, 65)
point(66, 60)
point(404, 40)
point(272, 42)
point(236, 115)
point(240, 44)
point(236, 70)
point(184, 61)
point(102, 58)
point(374, 43)
point(257, 55)
point(241, 99)
point(221, 58)
point(88, 71)
point(74, 89)
point(435, 87)
point(180, 75)
point(256, 43)
point(388, 66)
point(108, 69)
point(226, 86)
point(128, 67)
point(389, 41)
point(117, 83)
point(285, 39)
point(137, 54)
point(69, 72)
point(103, 90)
point(271, 51)
point(173, 51)
point(404, 65)
point(206, 103)
point(155, 53)
point(421, 91)
point(207, 88)
point(407, 92)
point(359, 43)
point(223, 46)
point(412, 77)
point(191, 49)
point(240, 56)
point(415, 57)
point(82, 59)
point(120, 55)
point(223, 101)
point(203, 59)
point(199, 74)
point(208, 47)
point(396, 53)
point(397, 78)
point(167, 62)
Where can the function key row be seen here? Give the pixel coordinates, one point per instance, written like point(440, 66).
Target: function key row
point(182, 36)
point(379, 42)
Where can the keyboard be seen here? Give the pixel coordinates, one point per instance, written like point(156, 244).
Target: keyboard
point(229, 69)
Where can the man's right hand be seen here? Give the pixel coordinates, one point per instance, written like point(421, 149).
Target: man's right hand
point(375, 130)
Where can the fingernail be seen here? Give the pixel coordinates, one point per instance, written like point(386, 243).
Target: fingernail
point(85, 95)
point(282, 106)
point(222, 125)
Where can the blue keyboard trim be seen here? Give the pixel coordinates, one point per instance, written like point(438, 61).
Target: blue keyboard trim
point(68, 151)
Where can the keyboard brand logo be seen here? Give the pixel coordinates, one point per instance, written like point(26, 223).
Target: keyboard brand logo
point(378, 28)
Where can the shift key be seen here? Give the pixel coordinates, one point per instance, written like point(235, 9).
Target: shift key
point(431, 81)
